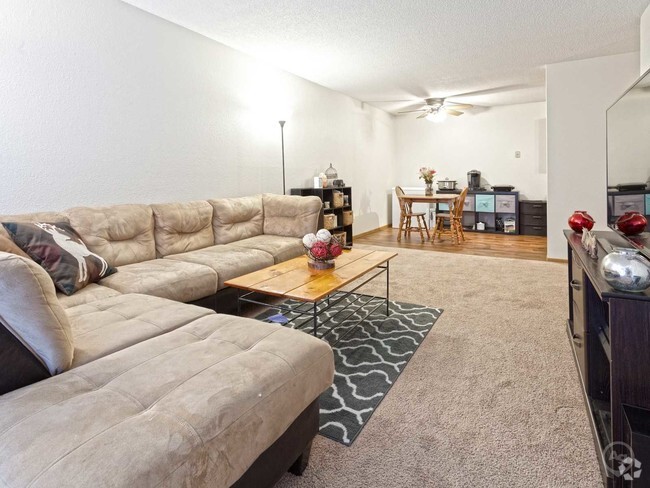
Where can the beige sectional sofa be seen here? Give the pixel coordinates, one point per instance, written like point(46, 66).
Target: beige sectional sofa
point(132, 387)
point(186, 251)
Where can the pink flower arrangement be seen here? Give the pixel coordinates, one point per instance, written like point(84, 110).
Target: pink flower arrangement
point(319, 250)
point(335, 248)
point(427, 174)
point(322, 246)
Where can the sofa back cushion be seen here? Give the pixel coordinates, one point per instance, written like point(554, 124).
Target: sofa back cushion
point(291, 216)
point(7, 245)
point(182, 227)
point(32, 218)
point(30, 310)
point(121, 234)
point(235, 219)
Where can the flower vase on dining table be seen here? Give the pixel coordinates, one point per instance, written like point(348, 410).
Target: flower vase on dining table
point(427, 174)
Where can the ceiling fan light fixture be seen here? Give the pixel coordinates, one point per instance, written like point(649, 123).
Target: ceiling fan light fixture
point(437, 116)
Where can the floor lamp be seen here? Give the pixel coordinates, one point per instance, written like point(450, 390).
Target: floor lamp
point(284, 186)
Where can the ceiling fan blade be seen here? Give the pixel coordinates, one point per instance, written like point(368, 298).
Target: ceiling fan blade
point(411, 111)
point(390, 101)
point(423, 115)
point(490, 91)
point(455, 113)
point(459, 106)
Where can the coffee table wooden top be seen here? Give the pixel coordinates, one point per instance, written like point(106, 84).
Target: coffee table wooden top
point(294, 279)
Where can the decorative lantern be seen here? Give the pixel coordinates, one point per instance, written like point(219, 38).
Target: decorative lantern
point(331, 173)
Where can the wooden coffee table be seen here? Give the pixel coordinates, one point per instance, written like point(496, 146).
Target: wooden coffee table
point(294, 280)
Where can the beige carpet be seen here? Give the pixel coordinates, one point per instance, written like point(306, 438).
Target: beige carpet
point(490, 399)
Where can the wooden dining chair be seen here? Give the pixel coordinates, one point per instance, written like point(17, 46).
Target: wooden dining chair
point(455, 218)
point(406, 216)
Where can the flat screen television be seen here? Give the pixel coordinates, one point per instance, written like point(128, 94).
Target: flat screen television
point(628, 159)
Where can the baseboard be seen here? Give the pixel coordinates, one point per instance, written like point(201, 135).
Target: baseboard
point(363, 234)
point(556, 260)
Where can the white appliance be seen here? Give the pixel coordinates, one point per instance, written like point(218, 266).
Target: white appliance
point(427, 208)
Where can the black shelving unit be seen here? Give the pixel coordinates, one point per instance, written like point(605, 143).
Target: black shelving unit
point(327, 195)
point(488, 207)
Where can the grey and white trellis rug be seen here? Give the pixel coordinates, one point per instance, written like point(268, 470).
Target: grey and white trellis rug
point(368, 358)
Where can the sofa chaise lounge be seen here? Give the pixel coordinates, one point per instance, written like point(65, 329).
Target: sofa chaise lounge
point(122, 384)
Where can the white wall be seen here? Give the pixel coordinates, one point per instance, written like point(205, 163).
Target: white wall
point(483, 139)
point(103, 103)
point(645, 41)
point(577, 95)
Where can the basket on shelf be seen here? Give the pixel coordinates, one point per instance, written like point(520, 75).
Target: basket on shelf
point(337, 199)
point(322, 249)
point(342, 237)
point(348, 217)
point(330, 221)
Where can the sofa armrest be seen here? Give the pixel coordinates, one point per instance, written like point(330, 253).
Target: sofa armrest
point(291, 216)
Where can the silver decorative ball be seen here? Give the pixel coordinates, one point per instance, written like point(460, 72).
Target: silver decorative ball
point(324, 235)
point(626, 270)
point(309, 240)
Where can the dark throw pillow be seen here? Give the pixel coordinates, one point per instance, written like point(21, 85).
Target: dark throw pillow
point(7, 245)
point(60, 251)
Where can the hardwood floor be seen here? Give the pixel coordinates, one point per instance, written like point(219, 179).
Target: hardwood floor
point(478, 244)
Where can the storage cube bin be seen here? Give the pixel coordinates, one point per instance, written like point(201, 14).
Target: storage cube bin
point(330, 221)
point(468, 205)
point(337, 198)
point(341, 237)
point(485, 203)
point(505, 204)
point(629, 203)
point(348, 217)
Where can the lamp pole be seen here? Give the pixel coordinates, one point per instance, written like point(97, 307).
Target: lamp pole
point(284, 189)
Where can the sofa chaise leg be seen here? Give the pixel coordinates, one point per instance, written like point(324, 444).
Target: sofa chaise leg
point(299, 466)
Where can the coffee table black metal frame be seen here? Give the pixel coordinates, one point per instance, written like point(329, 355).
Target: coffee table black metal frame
point(318, 307)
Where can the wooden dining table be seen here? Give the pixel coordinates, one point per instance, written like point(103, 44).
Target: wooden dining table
point(448, 198)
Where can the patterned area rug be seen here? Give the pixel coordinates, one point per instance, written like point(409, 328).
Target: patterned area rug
point(369, 357)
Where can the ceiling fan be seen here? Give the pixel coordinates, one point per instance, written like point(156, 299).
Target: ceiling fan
point(437, 109)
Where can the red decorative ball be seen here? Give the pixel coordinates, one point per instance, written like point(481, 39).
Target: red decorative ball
point(335, 250)
point(319, 250)
point(631, 223)
point(581, 220)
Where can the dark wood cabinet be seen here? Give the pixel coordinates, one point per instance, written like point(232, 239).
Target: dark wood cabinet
point(532, 214)
point(609, 332)
point(327, 195)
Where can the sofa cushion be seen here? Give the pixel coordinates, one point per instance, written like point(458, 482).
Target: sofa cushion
point(237, 218)
point(228, 260)
point(30, 310)
point(111, 324)
point(291, 216)
point(182, 227)
point(32, 217)
point(281, 248)
point(8, 245)
point(86, 295)
point(59, 250)
point(122, 234)
point(165, 278)
point(193, 407)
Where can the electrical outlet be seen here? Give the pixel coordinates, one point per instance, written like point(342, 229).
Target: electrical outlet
point(517, 154)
